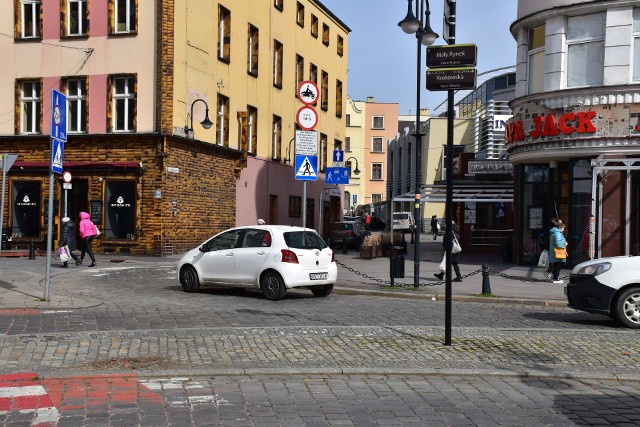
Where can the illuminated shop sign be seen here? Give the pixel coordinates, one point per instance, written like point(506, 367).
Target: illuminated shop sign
point(552, 125)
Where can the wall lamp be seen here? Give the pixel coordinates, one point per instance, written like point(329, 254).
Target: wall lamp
point(356, 171)
point(206, 123)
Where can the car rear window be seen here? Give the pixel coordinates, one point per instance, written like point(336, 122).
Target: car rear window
point(338, 226)
point(401, 216)
point(304, 240)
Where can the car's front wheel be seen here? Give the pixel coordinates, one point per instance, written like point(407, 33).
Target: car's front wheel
point(189, 279)
point(273, 286)
point(322, 291)
point(627, 308)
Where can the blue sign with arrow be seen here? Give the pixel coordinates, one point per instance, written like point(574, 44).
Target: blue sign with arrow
point(337, 175)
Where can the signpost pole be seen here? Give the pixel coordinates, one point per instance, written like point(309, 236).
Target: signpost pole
point(304, 204)
point(4, 175)
point(49, 237)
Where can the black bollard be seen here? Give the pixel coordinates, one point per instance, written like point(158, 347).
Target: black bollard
point(486, 285)
point(32, 251)
point(344, 246)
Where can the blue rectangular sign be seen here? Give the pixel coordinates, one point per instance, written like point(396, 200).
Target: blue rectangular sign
point(337, 175)
point(58, 115)
point(306, 168)
point(355, 199)
point(338, 156)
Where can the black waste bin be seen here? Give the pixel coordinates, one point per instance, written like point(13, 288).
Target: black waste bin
point(397, 262)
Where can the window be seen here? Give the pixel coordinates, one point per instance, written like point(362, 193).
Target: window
point(324, 91)
point(313, 73)
point(277, 64)
point(376, 145)
point(252, 56)
point(120, 218)
point(299, 71)
point(378, 122)
point(123, 107)
point(222, 123)
point(123, 16)
point(295, 206)
point(348, 119)
point(300, 14)
point(30, 19)
point(224, 34)
point(226, 240)
point(76, 105)
point(76, 17)
point(323, 152)
point(278, 4)
point(585, 50)
point(636, 44)
point(30, 106)
point(376, 171)
point(338, 98)
point(314, 25)
point(535, 78)
point(26, 220)
point(252, 129)
point(376, 198)
point(347, 143)
point(325, 34)
point(276, 145)
point(340, 45)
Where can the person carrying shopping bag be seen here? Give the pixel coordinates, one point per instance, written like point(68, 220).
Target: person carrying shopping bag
point(68, 239)
point(88, 232)
point(455, 250)
point(557, 249)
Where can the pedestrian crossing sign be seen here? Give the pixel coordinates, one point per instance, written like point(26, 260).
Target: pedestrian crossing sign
point(306, 168)
point(57, 155)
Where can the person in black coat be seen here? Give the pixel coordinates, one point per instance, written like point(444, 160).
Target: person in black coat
point(454, 257)
point(68, 238)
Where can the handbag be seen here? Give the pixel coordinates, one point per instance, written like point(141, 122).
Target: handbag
point(456, 248)
point(97, 231)
point(560, 253)
point(64, 253)
point(543, 261)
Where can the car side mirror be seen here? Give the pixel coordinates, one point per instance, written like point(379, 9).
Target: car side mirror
point(204, 248)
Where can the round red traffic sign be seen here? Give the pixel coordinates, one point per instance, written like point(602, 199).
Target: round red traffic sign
point(308, 92)
point(66, 176)
point(307, 118)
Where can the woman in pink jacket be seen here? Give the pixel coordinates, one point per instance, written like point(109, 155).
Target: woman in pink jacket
point(88, 232)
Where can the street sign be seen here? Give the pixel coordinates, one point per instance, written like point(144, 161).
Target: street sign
point(307, 118)
point(306, 142)
point(338, 158)
point(57, 155)
point(451, 79)
point(453, 55)
point(306, 168)
point(66, 176)
point(337, 175)
point(6, 161)
point(355, 199)
point(67, 186)
point(308, 92)
point(58, 116)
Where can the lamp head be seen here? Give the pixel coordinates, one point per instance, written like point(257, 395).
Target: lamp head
point(356, 171)
point(410, 24)
point(428, 36)
point(206, 123)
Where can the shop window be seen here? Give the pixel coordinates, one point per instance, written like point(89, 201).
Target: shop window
point(252, 129)
point(120, 219)
point(585, 50)
point(299, 71)
point(75, 17)
point(30, 106)
point(338, 98)
point(535, 78)
point(314, 25)
point(324, 89)
point(222, 122)
point(300, 14)
point(376, 171)
point(252, 56)
point(123, 105)
point(76, 105)
point(27, 209)
point(278, 53)
point(29, 19)
point(224, 34)
point(276, 146)
point(123, 19)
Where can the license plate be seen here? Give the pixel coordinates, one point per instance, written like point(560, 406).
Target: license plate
point(318, 276)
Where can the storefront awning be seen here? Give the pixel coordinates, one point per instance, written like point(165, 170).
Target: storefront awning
point(437, 193)
point(131, 166)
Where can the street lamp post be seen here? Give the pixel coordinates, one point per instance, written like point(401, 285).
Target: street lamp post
point(416, 24)
point(206, 123)
point(356, 171)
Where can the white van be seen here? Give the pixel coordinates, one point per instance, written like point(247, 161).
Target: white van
point(403, 221)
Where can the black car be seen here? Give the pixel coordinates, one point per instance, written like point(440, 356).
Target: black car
point(351, 232)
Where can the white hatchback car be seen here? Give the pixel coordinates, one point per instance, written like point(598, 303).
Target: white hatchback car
point(272, 257)
point(609, 286)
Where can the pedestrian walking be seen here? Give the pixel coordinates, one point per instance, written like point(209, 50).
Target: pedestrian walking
point(455, 250)
point(434, 227)
point(557, 249)
point(88, 232)
point(68, 239)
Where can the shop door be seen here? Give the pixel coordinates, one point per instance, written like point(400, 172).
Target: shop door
point(75, 200)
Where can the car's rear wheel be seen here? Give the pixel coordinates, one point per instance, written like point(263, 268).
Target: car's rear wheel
point(273, 286)
point(189, 279)
point(627, 308)
point(322, 291)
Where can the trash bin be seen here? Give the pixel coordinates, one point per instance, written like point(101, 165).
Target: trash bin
point(5, 242)
point(398, 263)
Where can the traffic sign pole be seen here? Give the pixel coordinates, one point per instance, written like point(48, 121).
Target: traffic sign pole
point(4, 176)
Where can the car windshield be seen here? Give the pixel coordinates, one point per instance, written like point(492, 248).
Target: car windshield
point(304, 240)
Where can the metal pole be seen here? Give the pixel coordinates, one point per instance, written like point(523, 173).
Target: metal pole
point(417, 168)
point(4, 175)
point(304, 203)
point(49, 237)
point(65, 202)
